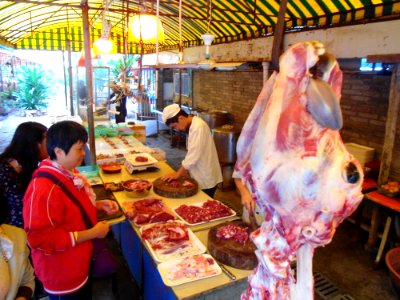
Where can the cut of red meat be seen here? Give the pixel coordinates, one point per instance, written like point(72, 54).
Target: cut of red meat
point(161, 216)
point(141, 159)
point(148, 210)
point(210, 210)
point(231, 231)
point(177, 233)
point(141, 219)
point(174, 183)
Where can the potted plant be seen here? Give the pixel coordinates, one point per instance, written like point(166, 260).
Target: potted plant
point(33, 88)
point(7, 101)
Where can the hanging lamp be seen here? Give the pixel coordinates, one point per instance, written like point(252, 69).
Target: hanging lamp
point(145, 27)
point(104, 44)
point(208, 39)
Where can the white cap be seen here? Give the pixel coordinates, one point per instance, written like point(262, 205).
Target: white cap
point(170, 111)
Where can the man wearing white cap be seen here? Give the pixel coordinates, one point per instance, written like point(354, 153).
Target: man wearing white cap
point(201, 160)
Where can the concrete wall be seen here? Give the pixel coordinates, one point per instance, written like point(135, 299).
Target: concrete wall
point(343, 42)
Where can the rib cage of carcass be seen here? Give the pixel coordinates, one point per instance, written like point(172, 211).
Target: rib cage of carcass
point(292, 159)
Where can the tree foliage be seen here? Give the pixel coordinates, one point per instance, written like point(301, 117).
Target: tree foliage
point(34, 87)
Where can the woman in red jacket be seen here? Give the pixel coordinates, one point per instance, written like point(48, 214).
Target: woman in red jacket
point(60, 242)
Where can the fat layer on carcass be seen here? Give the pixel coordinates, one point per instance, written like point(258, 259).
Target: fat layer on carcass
point(291, 156)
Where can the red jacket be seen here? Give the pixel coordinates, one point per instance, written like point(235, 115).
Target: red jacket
point(50, 219)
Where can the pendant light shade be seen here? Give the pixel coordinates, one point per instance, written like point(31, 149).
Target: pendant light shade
point(207, 38)
point(144, 27)
point(103, 46)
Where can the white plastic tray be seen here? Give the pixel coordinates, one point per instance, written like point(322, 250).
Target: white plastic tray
point(195, 246)
point(168, 267)
point(199, 204)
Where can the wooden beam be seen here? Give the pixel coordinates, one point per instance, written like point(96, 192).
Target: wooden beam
point(277, 44)
point(89, 81)
point(6, 44)
point(391, 125)
point(384, 58)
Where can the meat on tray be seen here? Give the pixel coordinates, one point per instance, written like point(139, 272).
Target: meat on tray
point(169, 240)
point(148, 210)
point(137, 184)
point(210, 210)
point(141, 159)
point(192, 267)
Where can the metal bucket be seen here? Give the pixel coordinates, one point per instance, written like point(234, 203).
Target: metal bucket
point(225, 139)
point(215, 119)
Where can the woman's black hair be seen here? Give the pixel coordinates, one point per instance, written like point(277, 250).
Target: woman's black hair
point(25, 149)
point(174, 119)
point(64, 135)
point(3, 207)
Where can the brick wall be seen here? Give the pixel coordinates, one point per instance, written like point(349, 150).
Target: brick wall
point(364, 104)
point(234, 92)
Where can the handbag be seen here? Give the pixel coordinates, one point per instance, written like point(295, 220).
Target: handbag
point(103, 261)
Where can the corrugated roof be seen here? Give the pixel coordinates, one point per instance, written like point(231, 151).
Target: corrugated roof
point(48, 24)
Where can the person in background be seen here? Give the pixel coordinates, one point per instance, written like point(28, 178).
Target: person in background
point(201, 160)
point(119, 98)
point(17, 163)
point(59, 240)
point(16, 273)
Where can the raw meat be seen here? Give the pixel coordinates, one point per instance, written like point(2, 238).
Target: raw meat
point(237, 233)
point(229, 244)
point(141, 159)
point(291, 156)
point(148, 210)
point(192, 267)
point(208, 211)
point(170, 240)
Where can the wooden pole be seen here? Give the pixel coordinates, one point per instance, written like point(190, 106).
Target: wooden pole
point(392, 114)
point(71, 90)
point(277, 44)
point(391, 124)
point(89, 80)
point(389, 141)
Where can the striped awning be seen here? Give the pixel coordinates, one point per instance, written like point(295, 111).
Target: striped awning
point(51, 24)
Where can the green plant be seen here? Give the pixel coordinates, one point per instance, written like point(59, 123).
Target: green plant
point(7, 100)
point(33, 87)
point(122, 65)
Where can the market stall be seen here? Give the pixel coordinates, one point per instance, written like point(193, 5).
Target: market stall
point(145, 265)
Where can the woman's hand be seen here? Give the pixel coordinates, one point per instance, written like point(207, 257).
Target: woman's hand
point(110, 207)
point(101, 229)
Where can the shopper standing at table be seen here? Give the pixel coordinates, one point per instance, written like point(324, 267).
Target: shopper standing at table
point(57, 235)
point(119, 98)
point(17, 163)
point(201, 160)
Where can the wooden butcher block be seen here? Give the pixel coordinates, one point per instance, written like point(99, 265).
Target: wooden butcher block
point(181, 188)
point(230, 252)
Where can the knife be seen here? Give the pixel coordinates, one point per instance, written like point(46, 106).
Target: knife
point(226, 271)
